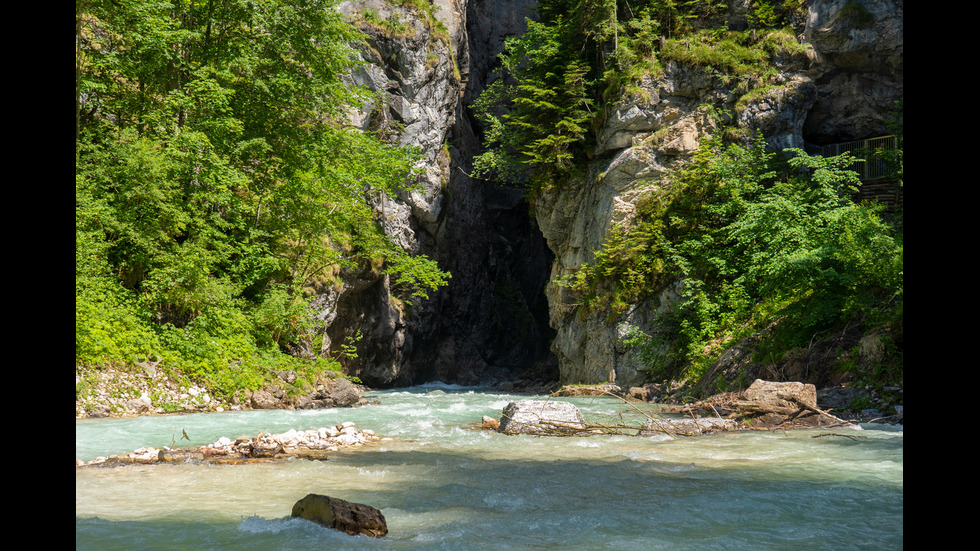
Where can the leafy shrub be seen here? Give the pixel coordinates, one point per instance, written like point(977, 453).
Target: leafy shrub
point(755, 237)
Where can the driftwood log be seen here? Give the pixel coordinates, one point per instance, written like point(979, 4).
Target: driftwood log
point(769, 404)
point(687, 427)
point(784, 403)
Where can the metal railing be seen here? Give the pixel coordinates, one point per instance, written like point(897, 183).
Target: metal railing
point(873, 159)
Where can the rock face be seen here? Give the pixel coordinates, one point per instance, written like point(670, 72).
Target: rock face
point(492, 317)
point(351, 518)
point(645, 137)
point(501, 308)
point(843, 87)
point(859, 70)
point(541, 417)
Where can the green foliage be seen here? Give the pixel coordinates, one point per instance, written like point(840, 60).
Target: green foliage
point(629, 265)
point(795, 247)
point(108, 326)
point(538, 113)
point(216, 181)
point(858, 14)
point(756, 237)
point(415, 276)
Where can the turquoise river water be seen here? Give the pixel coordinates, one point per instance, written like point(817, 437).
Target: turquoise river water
point(441, 484)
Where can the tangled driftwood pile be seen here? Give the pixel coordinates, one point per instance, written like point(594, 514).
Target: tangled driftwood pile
point(768, 404)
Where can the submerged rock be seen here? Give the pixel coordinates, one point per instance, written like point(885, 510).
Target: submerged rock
point(347, 517)
point(542, 417)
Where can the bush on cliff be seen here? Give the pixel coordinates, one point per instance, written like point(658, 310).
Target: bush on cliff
point(757, 237)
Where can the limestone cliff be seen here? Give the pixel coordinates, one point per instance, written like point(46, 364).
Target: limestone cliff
point(842, 86)
point(502, 308)
point(492, 317)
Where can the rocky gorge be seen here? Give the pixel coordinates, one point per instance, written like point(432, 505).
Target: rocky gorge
point(503, 312)
point(504, 317)
point(491, 319)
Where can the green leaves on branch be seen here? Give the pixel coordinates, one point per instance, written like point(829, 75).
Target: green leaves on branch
point(538, 115)
point(417, 275)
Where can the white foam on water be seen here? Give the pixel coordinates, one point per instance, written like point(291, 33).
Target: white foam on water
point(442, 483)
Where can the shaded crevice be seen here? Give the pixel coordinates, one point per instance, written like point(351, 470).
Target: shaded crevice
point(491, 322)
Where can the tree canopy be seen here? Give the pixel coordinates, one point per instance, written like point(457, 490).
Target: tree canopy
point(218, 176)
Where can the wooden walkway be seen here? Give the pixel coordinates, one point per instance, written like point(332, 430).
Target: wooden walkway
point(879, 174)
point(887, 192)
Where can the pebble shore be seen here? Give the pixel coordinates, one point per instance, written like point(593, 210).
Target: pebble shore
point(308, 444)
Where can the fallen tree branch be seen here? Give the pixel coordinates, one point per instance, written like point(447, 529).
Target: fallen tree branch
point(851, 436)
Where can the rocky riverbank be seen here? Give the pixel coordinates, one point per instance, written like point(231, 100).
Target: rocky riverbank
point(314, 444)
point(764, 405)
point(145, 389)
point(851, 404)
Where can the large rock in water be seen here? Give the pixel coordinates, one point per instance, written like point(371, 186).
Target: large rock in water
point(351, 518)
point(344, 394)
point(544, 417)
point(778, 397)
point(687, 427)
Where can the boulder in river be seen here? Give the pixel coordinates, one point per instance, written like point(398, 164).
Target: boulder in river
point(345, 516)
point(344, 393)
point(262, 399)
point(778, 397)
point(687, 427)
point(543, 417)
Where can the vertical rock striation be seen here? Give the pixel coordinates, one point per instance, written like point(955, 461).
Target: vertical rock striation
point(492, 317)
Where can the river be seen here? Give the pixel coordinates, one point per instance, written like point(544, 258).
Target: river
point(441, 484)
